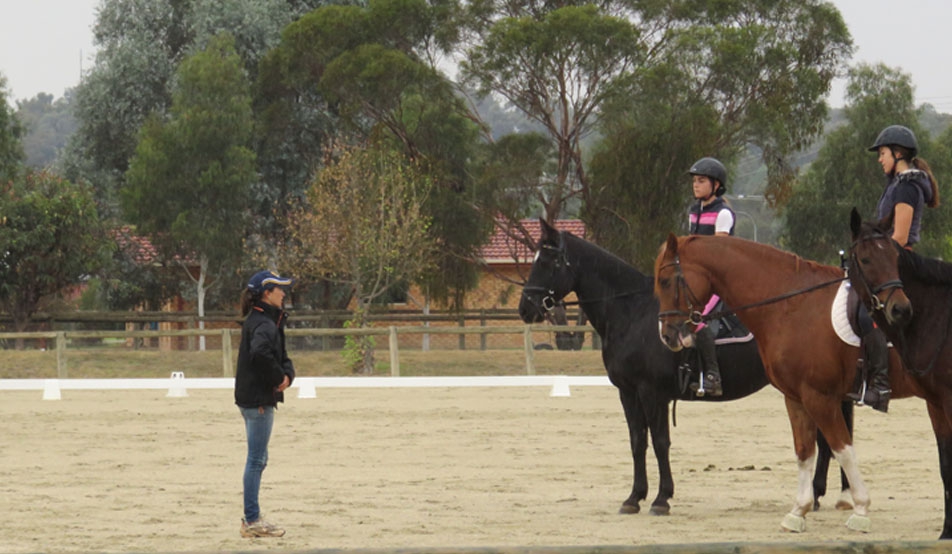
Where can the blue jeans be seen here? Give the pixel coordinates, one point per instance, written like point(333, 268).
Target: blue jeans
point(258, 424)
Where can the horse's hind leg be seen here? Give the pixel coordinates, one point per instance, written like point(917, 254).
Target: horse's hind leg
point(831, 421)
point(824, 455)
point(638, 437)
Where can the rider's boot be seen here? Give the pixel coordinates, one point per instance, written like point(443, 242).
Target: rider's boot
point(877, 371)
point(704, 340)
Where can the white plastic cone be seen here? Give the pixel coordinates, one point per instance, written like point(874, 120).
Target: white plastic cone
point(306, 390)
point(177, 385)
point(560, 386)
point(51, 389)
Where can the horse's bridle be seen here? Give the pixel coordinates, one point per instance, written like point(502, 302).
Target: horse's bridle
point(895, 284)
point(561, 260)
point(692, 315)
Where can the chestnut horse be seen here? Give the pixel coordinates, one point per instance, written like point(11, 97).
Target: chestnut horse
point(910, 298)
point(619, 302)
point(785, 301)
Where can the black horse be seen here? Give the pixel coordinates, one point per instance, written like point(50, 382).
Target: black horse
point(619, 302)
point(910, 297)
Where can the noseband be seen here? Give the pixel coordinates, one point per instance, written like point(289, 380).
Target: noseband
point(893, 285)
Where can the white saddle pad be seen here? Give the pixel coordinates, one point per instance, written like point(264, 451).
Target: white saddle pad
point(841, 322)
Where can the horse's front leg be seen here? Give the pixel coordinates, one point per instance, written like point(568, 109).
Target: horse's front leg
point(804, 443)
point(828, 416)
point(943, 437)
point(656, 411)
point(638, 436)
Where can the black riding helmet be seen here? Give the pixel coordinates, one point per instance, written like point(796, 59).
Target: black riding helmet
point(711, 167)
point(897, 135)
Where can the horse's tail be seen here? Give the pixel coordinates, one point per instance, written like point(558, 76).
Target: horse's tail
point(674, 412)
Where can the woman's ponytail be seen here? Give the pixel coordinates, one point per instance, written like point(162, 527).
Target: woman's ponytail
point(922, 165)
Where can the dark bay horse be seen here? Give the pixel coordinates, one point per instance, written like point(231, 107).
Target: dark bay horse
point(910, 298)
point(785, 301)
point(618, 301)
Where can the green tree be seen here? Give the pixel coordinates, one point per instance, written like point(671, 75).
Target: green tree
point(363, 227)
point(846, 175)
point(11, 134)
point(374, 66)
point(189, 183)
point(48, 124)
point(140, 44)
point(556, 64)
point(50, 238)
point(663, 83)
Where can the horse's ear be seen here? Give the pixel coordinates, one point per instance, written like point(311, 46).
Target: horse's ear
point(886, 223)
point(548, 231)
point(672, 245)
point(856, 221)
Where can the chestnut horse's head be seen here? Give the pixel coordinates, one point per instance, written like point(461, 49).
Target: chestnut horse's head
point(874, 270)
point(551, 277)
point(682, 290)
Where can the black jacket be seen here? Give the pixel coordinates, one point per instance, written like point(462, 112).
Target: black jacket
point(262, 358)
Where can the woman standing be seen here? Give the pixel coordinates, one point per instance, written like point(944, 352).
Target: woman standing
point(264, 372)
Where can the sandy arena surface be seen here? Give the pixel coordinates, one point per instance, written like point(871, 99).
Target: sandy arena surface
point(136, 471)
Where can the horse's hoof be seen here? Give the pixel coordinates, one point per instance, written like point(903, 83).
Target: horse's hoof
point(660, 510)
point(629, 509)
point(793, 523)
point(859, 523)
point(816, 505)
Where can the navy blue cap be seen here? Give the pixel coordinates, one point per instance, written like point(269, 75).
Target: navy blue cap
point(267, 280)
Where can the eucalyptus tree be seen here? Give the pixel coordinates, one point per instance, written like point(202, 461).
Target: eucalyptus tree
point(140, 44)
point(190, 180)
point(11, 136)
point(661, 82)
point(375, 67)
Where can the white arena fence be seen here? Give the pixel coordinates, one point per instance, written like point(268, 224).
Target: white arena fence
point(178, 385)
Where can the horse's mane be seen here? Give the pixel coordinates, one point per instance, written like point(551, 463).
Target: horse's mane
point(929, 271)
point(790, 257)
point(632, 273)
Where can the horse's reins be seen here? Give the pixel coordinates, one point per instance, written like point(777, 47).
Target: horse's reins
point(696, 317)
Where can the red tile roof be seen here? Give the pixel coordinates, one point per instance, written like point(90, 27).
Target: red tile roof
point(503, 248)
point(138, 247)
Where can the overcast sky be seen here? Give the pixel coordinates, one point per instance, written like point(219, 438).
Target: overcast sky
point(46, 44)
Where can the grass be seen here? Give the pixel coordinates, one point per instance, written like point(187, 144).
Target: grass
point(126, 363)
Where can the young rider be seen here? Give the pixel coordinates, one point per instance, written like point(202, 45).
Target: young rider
point(910, 188)
point(710, 215)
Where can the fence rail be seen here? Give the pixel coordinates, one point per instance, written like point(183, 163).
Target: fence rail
point(62, 339)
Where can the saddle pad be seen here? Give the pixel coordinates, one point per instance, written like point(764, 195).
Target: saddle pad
point(734, 340)
point(839, 318)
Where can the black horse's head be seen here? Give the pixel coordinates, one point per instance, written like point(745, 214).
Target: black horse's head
point(874, 271)
point(550, 279)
